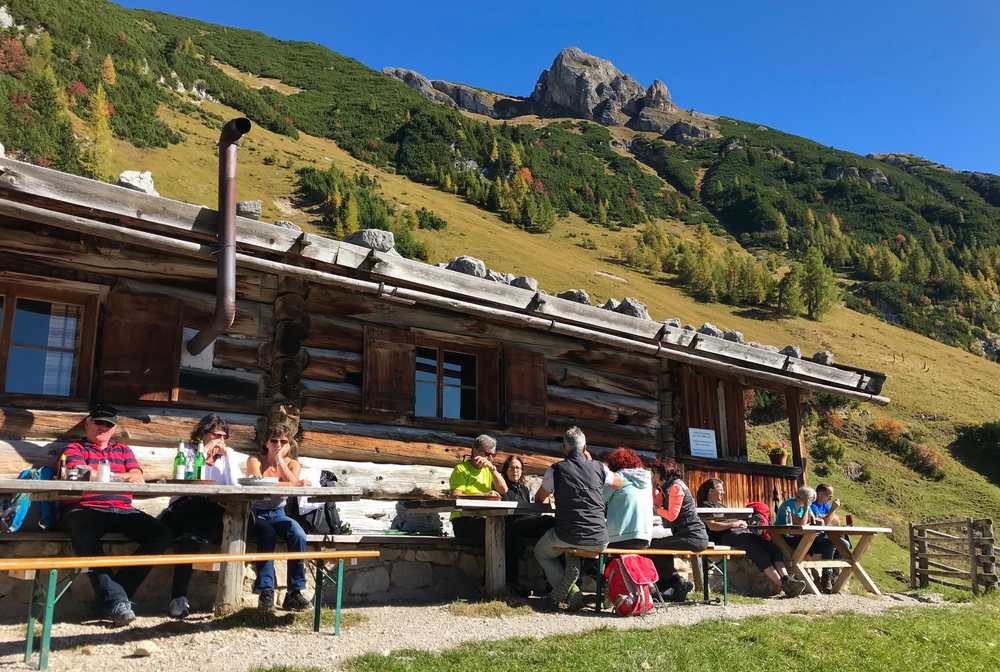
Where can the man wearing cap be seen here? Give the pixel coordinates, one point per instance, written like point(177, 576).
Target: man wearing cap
point(94, 514)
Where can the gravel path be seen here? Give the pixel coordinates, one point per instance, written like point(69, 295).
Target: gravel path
point(202, 643)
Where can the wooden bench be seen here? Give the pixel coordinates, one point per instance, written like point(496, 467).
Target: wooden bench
point(707, 557)
point(52, 591)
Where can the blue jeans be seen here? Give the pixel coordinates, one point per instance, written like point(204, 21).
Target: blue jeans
point(266, 527)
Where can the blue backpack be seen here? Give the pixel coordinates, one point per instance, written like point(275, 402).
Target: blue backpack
point(18, 511)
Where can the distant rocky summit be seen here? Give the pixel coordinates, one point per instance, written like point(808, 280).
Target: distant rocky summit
point(579, 85)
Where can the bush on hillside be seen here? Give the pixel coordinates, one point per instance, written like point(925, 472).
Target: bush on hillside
point(428, 220)
point(886, 431)
point(827, 448)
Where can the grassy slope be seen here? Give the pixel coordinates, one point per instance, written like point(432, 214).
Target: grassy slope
point(934, 387)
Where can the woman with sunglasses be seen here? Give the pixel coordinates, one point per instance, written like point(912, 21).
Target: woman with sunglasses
point(270, 520)
point(197, 521)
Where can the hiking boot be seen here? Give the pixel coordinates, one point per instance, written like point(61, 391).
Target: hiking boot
point(179, 607)
point(265, 601)
point(679, 589)
point(826, 583)
point(295, 601)
point(793, 587)
point(572, 574)
point(575, 600)
point(121, 613)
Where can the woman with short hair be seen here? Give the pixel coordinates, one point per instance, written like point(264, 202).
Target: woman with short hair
point(630, 507)
point(523, 529)
point(797, 510)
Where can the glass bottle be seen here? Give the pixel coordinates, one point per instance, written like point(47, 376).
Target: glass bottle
point(199, 462)
point(180, 463)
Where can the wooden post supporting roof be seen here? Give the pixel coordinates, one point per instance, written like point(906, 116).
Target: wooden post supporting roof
point(793, 403)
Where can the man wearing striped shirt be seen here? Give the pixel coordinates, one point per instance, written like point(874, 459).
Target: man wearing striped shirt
point(93, 515)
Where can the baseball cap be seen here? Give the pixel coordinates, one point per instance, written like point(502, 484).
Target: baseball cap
point(104, 413)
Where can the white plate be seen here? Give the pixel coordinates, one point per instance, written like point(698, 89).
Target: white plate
point(266, 480)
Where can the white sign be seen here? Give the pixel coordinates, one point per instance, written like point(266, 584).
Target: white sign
point(703, 443)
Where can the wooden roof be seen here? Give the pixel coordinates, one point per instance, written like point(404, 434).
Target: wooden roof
point(41, 190)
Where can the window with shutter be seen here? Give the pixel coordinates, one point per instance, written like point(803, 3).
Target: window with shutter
point(141, 348)
point(524, 373)
point(388, 379)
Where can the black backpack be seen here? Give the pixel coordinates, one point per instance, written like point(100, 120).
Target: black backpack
point(324, 520)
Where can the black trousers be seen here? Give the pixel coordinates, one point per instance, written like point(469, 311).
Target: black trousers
point(665, 564)
point(522, 533)
point(193, 522)
point(470, 530)
point(86, 525)
point(761, 552)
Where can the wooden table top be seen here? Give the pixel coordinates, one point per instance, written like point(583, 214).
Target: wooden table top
point(713, 512)
point(839, 529)
point(146, 490)
point(475, 504)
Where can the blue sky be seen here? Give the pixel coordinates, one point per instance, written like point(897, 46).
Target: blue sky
point(911, 76)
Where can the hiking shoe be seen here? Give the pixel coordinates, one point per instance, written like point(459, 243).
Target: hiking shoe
point(265, 601)
point(575, 600)
point(572, 574)
point(793, 587)
point(295, 601)
point(680, 589)
point(826, 584)
point(121, 613)
point(179, 607)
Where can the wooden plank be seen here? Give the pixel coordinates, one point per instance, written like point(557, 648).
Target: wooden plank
point(228, 597)
point(87, 562)
point(495, 556)
point(238, 353)
point(602, 406)
point(334, 333)
point(527, 401)
point(253, 319)
point(71, 488)
point(331, 365)
point(793, 404)
point(575, 376)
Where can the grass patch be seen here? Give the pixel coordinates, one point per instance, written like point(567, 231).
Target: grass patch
point(490, 609)
point(327, 618)
point(958, 639)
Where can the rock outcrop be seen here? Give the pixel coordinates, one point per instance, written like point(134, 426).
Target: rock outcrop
point(480, 101)
point(588, 87)
point(420, 84)
point(686, 133)
point(373, 239)
point(138, 180)
point(577, 295)
point(468, 265)
point(249, 209)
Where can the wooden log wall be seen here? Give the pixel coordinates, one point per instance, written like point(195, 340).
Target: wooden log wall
point(745, 482)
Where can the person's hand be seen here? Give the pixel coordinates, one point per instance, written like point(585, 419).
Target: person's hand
point(740, 524)
point(215, 448)
point(493, 494)
point(480, 461)
point(818, 521)
point(836, 504)
point(133, 477)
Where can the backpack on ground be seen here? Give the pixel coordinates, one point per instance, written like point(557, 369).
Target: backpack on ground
point(761, 516)
point(630, 581)
point(316, 517)
point(18, 512)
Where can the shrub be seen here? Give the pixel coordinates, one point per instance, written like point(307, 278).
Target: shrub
point(833, 420)
point(14, 60)
point(827, 448)
point(428, 220)
point(886, 431)
point(925, 460)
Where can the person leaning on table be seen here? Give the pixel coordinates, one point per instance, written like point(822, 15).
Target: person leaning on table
point(478, 476)
point(732, 532)
point(578, 485)
point(797, 510)
point(197, 521)
point(270, 520)
point(93, 515)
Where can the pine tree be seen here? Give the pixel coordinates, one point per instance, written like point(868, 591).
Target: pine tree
point(108, 73)
point(918, 267)
point(96, 160)
point(819, 291)
point(349, 223)
point(790, 302)
point(41, 54)
point(494, 150)
point(515, 156)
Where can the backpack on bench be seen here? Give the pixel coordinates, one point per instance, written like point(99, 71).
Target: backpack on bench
point(630, 581)
point(320, 518)
point(18, 512)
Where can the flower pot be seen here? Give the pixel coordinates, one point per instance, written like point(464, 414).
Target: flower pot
point(778, 458)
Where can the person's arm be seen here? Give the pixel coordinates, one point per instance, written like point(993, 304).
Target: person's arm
point(74, 458)
point(723, 525)
point(253, 467)
point(612, 480)
point(133, 472)
point(675, 498)
point(458, 482)
point(546, 488)
point(288, 470)
point(797, 518)
point(499, 484)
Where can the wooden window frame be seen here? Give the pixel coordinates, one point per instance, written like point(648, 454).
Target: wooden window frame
point(440, 384)
point(12, 290)
point(481, 349)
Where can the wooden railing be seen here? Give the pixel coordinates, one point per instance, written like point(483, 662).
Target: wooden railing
point(959, 553)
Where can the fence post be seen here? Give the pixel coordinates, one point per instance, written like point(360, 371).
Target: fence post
point(924, 577)
point(913, 558)
point(974, 557)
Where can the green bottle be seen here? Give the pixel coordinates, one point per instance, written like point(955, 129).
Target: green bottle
point(180, 463)
point(199, 462)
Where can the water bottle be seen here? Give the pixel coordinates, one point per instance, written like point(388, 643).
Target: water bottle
point(180, 463)
point(199, 462)
point(104, 471)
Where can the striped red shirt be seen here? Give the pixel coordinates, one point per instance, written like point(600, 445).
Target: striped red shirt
point(120, 457)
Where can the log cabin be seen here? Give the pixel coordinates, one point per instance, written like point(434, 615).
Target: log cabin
point(388, 367)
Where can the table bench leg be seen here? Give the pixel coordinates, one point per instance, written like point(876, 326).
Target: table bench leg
point(50, 605)
point(340, 594)
point(599, 598)
point(725, 581)
point(234, 535)
point(705, 565)
point(29, 638)
point(495, 556)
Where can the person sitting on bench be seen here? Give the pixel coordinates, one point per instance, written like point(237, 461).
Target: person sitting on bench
point(679, 512)
point(93, 515)
point(732, 532)
point(523, 529)
point(630, 507)
point(577, 483)
point(197, 521)
point(270, 519)
point(798, 511)
point(477, 476)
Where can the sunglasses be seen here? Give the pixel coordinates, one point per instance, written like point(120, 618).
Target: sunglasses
point(104, 424)
point(219, 435)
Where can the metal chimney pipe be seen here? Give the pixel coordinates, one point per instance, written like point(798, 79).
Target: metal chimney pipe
point(225, 285)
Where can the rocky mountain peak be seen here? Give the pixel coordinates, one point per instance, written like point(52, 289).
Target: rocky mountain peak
point(588, 87)
point(658, 97)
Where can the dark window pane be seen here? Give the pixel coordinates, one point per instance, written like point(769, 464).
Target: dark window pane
point(459, 369)
point(426, 400)
point(469, 410)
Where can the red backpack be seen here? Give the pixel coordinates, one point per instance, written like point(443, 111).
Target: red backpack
point(761, 516)
point(630, 581)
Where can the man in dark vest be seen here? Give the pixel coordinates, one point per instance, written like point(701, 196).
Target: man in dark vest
point(577, 483)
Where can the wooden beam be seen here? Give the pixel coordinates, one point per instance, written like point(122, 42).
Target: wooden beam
point(793, 404)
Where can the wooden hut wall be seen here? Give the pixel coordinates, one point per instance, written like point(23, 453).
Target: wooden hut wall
point(744, 482)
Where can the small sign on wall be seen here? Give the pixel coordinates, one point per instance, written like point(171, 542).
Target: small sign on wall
point(703, 443)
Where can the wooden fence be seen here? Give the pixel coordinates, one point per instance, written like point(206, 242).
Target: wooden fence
point(960, 553)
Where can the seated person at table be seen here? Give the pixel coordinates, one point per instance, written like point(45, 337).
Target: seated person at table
point(825, 507)
point(578, 483)
point(523, 529)
point(679, 512)
point(197, 521)
point(93, 515)
point(798, 511)
point(476, 476)
point(732, 532)
point(270, 519)
point(630, 507)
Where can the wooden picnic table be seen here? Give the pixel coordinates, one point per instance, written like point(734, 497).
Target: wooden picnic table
point(234, 499)
point(741, 513)
point(495, 513)
point(850, 558)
